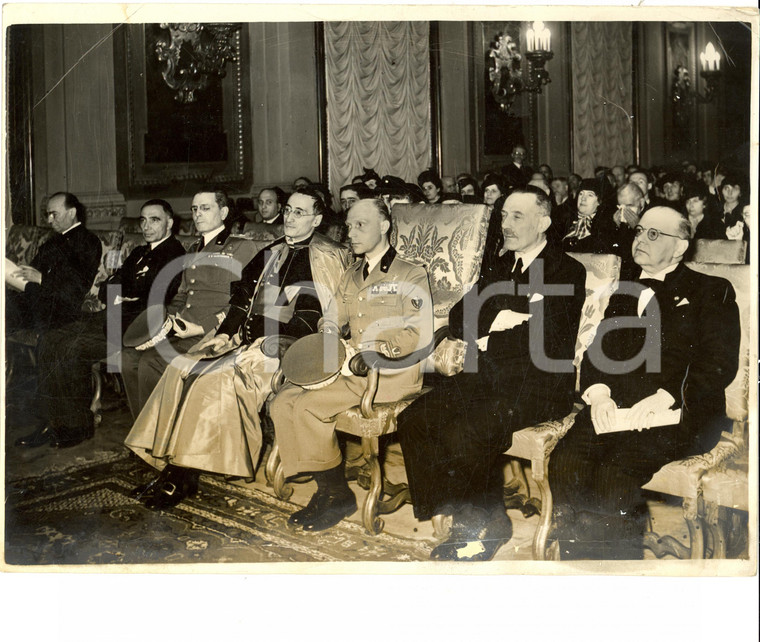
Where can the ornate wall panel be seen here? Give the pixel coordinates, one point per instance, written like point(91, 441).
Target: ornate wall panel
point(378, 99)
point(602, 86)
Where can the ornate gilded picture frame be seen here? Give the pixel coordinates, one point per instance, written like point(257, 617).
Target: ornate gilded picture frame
point(178, 123)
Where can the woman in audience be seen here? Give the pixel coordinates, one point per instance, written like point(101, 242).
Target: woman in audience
point(494, 188)
point(431, 186)
point(704, 222)
point(731, 190)
point(594, 222)
point(468, 186)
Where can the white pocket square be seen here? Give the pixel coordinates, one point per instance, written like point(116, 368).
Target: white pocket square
point(535, 297)
point(683, 301)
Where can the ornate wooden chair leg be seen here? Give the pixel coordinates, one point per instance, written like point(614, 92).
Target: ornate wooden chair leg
point(370, 519)
point(716, 525)
point(544, 524)
point(97, 384)
point(441, 526)
point(270, 468)
point(282, 489)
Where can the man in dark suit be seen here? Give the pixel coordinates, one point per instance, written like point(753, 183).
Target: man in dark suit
point(670, 339)
point(61, 272)
point(65, 355)
point(516, 173)
point(518, 372)
point(202, 300)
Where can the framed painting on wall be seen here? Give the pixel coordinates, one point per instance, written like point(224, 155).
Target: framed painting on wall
point(182, 117)
point(497, 127)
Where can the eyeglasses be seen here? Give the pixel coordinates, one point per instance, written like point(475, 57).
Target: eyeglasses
point(652, 233)
point(297, 213)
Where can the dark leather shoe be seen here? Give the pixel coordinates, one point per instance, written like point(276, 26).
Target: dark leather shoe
point(330, 510)
point(172, 491)
point(40, 437)
point(143, 491)
point(473, 539)
point(307, 513)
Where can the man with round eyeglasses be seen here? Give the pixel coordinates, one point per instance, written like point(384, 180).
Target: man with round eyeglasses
point(669, 341)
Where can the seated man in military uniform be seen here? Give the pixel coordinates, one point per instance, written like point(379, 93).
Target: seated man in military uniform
point(201, 302)
point(384, 302)
point(204, 415)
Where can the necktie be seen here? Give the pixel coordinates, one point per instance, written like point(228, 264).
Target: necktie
point(365, 271)
point(201, 244)
point(518, 269)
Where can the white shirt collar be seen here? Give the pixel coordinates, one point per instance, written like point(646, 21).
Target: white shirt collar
point(209, 236)
point(658, 276)
point(155, 244)
point(77, 224)
point(529, 256)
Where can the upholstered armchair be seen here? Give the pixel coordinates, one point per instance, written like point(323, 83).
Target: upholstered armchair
point(719, 251)
point(714, 486)
point(537, 442)
point(449, 241)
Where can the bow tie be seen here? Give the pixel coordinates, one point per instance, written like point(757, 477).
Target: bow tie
point(654, 284)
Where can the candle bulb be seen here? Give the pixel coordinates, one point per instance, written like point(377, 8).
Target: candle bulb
point(530, 40)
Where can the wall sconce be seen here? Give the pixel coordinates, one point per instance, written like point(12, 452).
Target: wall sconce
point(710, 60)
point(681, 93)
point(505, 67)
point(193, 53)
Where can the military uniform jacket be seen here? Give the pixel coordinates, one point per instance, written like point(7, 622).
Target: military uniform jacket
point(392, 308)
point(204, 292)
point(137, 274)
point(68, 263)
point(699, 349)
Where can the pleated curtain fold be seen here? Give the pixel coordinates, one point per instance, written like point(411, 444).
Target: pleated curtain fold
point(378, 99)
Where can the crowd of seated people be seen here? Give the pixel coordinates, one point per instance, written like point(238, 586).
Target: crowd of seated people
point(197, 381)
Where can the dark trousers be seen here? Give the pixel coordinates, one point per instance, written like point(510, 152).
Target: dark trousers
point(453, 439)
point(142, 369)
point(596, 483)
point(64, 382)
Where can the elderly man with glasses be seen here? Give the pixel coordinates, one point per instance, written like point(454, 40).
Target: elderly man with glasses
point(654, 382)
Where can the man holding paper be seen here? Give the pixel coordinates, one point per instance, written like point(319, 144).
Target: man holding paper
point(65, 355)
point(49, 293)
point(520, 323)
point(654, 383)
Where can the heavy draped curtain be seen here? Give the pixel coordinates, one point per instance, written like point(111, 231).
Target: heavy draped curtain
point(378, 99)
point(602, 69)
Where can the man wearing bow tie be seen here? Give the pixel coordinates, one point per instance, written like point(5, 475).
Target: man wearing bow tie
point(282, 291)
point(669, 341)
point(518, 372)
point(65, 355)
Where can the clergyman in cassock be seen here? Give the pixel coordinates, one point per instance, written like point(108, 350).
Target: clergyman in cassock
point(205, 415)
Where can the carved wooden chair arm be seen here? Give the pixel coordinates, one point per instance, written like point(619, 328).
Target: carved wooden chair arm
point(276, 345)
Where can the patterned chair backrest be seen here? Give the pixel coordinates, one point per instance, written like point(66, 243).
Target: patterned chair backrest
point(23, 242)
point(602, 275)
point(187, 227)
point(719, 251)
point(448, 240)
point(262, 231)
point(130, 225)
point(110, 243)
point(737, 392)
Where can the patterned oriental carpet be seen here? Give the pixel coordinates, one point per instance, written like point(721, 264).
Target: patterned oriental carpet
point(83, 515)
